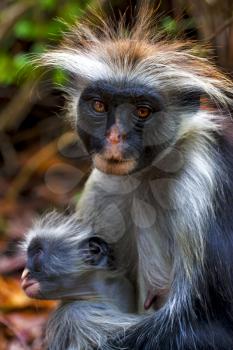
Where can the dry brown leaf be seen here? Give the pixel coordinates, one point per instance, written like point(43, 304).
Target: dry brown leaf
point(12, 296)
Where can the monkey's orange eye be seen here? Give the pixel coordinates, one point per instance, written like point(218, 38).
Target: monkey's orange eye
point(99, 106)
point(143, 112)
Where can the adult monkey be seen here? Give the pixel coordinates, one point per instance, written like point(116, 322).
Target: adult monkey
point(138, 106)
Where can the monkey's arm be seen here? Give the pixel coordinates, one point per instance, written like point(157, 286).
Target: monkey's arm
point(198, 313)
point(152, 334)
point(85, 325)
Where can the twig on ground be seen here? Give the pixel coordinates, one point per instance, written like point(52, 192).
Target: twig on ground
point(10, 16)
point(35, 162)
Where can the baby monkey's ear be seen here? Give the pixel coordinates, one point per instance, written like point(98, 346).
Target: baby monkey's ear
point(98, 253)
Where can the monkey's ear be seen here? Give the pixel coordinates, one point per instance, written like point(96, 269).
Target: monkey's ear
point(97, 252)
point(82, 65)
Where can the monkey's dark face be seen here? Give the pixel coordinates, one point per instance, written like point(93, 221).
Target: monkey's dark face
point(60, 269)
point(126, 126)
point(123, 126)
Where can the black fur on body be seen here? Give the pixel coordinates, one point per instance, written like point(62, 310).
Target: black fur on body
point(176, 174)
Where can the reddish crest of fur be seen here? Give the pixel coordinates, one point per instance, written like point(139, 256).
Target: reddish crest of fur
point(139, 52)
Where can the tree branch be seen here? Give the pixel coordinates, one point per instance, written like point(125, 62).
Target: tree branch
point(10, 16)
point(20, 105)
point(220, 29)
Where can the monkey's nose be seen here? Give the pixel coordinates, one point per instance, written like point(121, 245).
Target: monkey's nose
point(115, 135)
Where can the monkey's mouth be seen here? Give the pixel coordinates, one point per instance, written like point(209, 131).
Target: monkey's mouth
point(30, 286)
point(114, 166)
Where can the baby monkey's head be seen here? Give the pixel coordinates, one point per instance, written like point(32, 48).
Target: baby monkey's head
point(65, 260)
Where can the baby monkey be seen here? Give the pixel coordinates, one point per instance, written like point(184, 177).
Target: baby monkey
point(67, 261)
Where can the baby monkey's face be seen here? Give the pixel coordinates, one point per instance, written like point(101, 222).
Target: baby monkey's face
point(65, 268)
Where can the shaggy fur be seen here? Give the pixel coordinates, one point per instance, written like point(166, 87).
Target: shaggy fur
point(182, 218)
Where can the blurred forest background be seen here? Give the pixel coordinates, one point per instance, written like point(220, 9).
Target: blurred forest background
point(42, 164)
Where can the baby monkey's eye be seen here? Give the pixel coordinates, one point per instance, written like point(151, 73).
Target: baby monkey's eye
point(143, 112)
point(99, 106)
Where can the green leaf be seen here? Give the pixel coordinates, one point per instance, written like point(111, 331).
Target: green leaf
point(38, 47)
point(169, 25)
point(24, 29)
point(48, 4)
point(77, 197)
point(59, 77)
point(22, 66)
point(55, 28)
point(6, 69)
point(70, 11)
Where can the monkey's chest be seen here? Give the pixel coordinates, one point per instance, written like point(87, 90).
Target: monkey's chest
point(154, 270)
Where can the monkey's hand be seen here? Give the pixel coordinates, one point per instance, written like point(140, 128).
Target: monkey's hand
point(137, 337)
point(126, 341)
